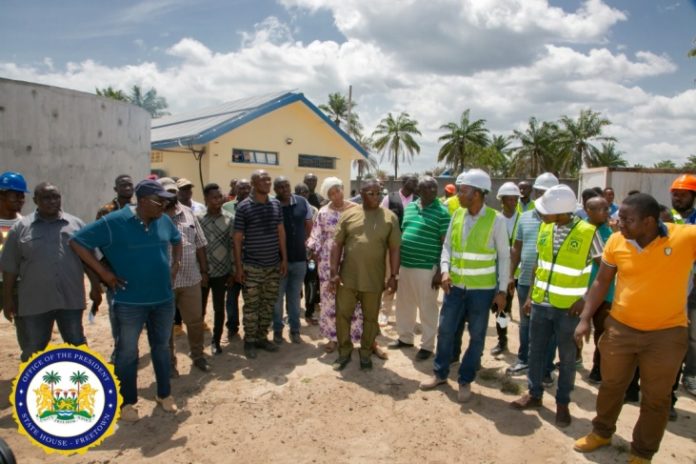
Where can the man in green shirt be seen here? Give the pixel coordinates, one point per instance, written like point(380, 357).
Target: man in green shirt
point(358, 260)
point(422, 232)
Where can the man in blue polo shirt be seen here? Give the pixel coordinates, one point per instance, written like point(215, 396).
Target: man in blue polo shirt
point(135, 241)
point(259, 232)
point(297, 221)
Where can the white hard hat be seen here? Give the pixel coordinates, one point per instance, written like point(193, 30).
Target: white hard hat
point(545, 181)
point(475, 178)
point(508, 189)
point(559, 199)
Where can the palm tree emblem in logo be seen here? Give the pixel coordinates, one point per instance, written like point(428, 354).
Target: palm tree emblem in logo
point(65, 404)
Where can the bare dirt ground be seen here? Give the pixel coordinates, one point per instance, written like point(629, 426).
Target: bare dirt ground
point(292, 407)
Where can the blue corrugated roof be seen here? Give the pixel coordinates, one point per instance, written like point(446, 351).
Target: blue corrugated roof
point(202, 126)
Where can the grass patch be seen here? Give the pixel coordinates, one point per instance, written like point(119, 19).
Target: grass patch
point(489, 374)
point(511, 387)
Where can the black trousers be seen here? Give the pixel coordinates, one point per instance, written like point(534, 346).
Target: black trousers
point(219, 288)
point(311, 292)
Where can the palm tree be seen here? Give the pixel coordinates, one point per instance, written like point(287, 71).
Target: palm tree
point(51, 378)
point(461, 142)
point(537, 149)
point(665, 164)
point(337, 110)
point(149, 101)
point(365, 165)
point(607, 156)
point(395, 137)
point(110, 92)
point(576, 136)
point(78, 378)
point(690, 164)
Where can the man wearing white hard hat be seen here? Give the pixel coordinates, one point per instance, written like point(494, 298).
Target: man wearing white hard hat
point(523, 257)
point(475, 263)
point(508, 195)
point(562, 276)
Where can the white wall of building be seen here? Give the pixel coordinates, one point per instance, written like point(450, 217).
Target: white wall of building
point(655, 182)
point(77, 141)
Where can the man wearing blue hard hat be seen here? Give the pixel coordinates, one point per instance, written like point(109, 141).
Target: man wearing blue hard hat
point(12, 190)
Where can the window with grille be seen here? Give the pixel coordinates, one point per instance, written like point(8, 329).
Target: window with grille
point(314, 161)
point(156, 157)
point(254, 156)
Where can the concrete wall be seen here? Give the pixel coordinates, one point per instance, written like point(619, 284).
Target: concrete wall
point(75, 140)
point(491, 200)
point(655, 182)
point(310, 136)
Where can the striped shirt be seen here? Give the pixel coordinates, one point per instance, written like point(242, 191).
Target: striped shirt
point(527, 232)
point(421, 235)
point(259, 224)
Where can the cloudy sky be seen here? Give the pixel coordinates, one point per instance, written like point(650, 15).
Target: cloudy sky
point(506, 60)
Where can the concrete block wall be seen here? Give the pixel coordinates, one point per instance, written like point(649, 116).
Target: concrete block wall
point(75, 140)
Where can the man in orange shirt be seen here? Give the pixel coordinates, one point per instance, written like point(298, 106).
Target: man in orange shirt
point(647, 325)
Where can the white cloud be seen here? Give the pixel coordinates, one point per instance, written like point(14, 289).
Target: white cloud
point(557, 80)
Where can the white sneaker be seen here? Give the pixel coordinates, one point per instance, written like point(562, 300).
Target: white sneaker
point(518, 368)
point(167, 403)
point(464, 394)
point(690, 384)
point(129, 413)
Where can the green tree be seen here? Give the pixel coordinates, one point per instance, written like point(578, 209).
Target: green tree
point(365, 165)
point(110, 92)
point(51, 378)
point(394, 137)
point(337, 110)
point(607, 156)
point(149, 101)
point(665, 164)
point(576, 137)
point(537, 150)
point(462, 142)
point(690, 164)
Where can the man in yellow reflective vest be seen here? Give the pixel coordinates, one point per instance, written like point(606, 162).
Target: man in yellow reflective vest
point(475, 263)
point(561, 279)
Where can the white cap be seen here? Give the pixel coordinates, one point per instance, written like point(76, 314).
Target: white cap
point(475, 178)
point(508, 189)
point(559, 199)
point(545, 181)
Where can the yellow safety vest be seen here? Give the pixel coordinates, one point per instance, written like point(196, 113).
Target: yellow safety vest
point(564, 277)
point(473, 263)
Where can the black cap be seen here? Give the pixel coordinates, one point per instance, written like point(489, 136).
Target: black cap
point(151, 187)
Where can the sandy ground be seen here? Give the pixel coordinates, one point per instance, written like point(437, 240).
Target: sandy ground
point(292, 407)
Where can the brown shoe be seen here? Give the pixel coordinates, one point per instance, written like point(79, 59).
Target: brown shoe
point(562, 415)
point(526, 402)
point(432, 382)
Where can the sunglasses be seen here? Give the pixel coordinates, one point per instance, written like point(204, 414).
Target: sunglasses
point(373, 194)
point(156, 203)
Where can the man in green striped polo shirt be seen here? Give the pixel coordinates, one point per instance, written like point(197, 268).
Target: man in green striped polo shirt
point(423, 230)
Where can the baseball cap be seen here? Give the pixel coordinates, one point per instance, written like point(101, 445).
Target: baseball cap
point(182, 182)
point(151, 187)
point(168, 183)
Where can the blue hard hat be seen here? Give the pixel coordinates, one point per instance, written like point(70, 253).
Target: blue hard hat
point(13, 181)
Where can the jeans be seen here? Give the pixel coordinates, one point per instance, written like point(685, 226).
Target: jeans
point(218, 286)
point(523, 353)
point(34, 332)
point(545, 322)
point(112, 321)
point(158, 321)
point(232, 308)
point(462, 306)
point(290, 289)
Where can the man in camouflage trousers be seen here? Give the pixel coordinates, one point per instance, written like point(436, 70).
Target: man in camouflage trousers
point(259, 232)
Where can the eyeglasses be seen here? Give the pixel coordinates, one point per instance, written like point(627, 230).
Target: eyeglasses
point(156, 203)
point(373, 194)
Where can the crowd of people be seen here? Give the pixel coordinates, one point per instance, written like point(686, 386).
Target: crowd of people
point(621, 272)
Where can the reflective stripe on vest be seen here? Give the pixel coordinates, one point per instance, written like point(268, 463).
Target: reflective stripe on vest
point(473, 263)
point(565, 276)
